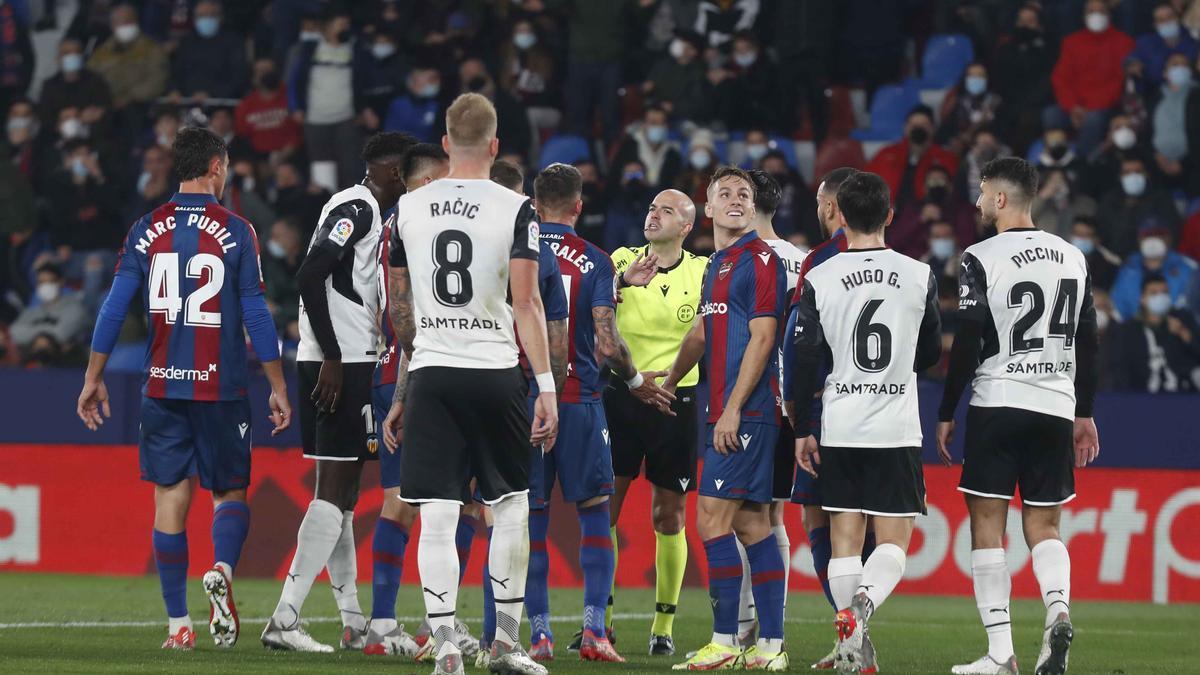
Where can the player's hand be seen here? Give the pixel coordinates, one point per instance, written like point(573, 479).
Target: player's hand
point(393, 427)
point(808, 454)
point(329, 386)
point(281, 411)
point(945, 434)
point(617, 296)
point(652, 394)
point(93, 401)
point(1087, 441)
point(545, 421)
point(642, 270)
point(725, 431)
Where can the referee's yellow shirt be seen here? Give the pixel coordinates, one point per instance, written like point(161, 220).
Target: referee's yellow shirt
point(654, 320)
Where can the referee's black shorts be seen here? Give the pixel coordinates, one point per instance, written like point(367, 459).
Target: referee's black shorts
point(640, 433)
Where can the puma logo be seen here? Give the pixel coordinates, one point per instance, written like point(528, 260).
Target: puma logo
point(356, 208)
point(337, 589)
point(998, 610)
point(292, 577)
point(503, 583)
point(1060, 591)
point(440, 596)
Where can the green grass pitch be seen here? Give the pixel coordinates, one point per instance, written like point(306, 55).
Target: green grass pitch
point(120, 626)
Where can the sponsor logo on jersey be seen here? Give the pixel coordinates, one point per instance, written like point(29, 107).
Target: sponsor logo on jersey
point(724, 269)
point(963, 290)
point(871, 388)
point(342, 229)
point(709, 308)
point(459, 323)
point(184, 374)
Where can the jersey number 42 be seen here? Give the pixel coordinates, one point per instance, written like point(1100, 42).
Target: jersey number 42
point(164, 288)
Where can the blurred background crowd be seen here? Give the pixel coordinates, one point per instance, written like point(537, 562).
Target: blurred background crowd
point(1102, 95)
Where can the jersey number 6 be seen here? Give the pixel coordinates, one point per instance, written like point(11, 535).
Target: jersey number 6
point(868, 335)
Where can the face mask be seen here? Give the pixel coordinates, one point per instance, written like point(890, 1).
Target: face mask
point(164, 140)
point(1057, 152)
point(343, 36)
point(78, 167)
point(698, 159)
point(745, 59)
point(677, 48)
point(18, 124)
point(1085, 245)
point(276, 249)
point(207, 26)
point(976, 85)
point(429, 90)
point(310, 36)
point(126, 33)
point(1179, 76)
point(47, 291)
point(71, 63)
point(1134, 184)
point(70, 128)
point(1168, 30)
point(269, 81)
point(1153, 248)
point(142, 181)
point(656, 133)
point(1025, 34)
point(634, 176)
point(1101, 321)
point(1157, 304)
point(918, 135)
point(382, 50)
point(756, 151)
point(936, 192)
point(524, 40)
point(1124, 138)
point(477, 83)
point(1096, 22)
point(941, 249)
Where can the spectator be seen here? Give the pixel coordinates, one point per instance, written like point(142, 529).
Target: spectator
point(528, 74)
point(1157, 351)
point(153, 184)
point(21, 130)
point(627, 206)
point(325, 94)
point(262, 118)
point(647, 143)
point(719, 21)
point(693, 181)
point(388, 70)
point(746, 89)
point(419, 111)
point(512, 122)
point(1058, 154)
point(968, 107)
point(1021, 72)
point(984, 148)
point(296, 198)
point(1059, 204)
point(133, 65)
point(600, 32)
point(209, 62)
point(16, 55)
point(1191, 163)
point(85, 219)
point(1102, 263)
point(282, 255)
point(593, 219)
point(16, 176)
point(1138, 202)
point(1151, 51)
point(909, 230)
point(943, 253)
point(1089, 76)
point(1103, 171)
point(54, 323)
point(74, 86)
point(797, 210)
point(1154, 257)
point(757, 144)
point(676, 81)
point(1170, 139)
point(1189, 237)
point(904, 165)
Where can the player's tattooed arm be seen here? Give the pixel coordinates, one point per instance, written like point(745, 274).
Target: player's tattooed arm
point(401, 303)
point(609, 344)
point(401, 379)
point(556, 333)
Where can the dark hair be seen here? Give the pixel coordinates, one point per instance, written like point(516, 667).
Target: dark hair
point(1152, 278)
point(194, 150)
point(920, 109)
point(834, 179)
point(726, 171)
point(557, 188)
point(766, 192)
point(51, 267)
point(1088, 221)
point(419, 157)
point(508, 174)
point(387, 144)
point(864, 200)
point(1015, 171)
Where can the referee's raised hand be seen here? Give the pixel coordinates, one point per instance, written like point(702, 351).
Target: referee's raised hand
point(641, 270)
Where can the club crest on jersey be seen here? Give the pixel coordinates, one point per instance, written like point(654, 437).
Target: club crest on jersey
point(342, 229)
point(724, 270)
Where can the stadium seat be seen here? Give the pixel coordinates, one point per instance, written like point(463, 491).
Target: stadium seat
point(834, 153)
point(945, 59)
point(841, 112)
point(564, 148)
point(889, 107)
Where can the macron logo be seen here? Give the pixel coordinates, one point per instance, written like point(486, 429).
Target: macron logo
point(717, 481)
point(765, 257)
point(242, 428)
point(746, 440)
point(683, 483)
point(184, 374)
point(604, 432)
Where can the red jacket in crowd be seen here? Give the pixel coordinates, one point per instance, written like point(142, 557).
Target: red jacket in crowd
point(892, 160)
point(266, 122)
point(1089, 72)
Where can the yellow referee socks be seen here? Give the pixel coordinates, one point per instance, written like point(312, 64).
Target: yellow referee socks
point(670, 562)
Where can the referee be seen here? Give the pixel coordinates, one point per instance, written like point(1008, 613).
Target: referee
point(655, 314)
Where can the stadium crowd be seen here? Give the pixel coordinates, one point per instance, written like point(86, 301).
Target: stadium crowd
point(641, 95)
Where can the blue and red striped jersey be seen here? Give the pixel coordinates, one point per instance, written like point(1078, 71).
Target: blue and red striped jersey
point(196, 260)
point(554, 302)
point(587, 278)
point(835, 244)
point(744, 281)
point(389, 357)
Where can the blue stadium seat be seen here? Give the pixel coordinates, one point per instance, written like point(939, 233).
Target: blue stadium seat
point(788, 147)
point(1035, 151)
point(945, 59)
point(565, 149)
point(889, 107)
point(127, 357)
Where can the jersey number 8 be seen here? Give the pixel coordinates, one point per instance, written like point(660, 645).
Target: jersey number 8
point(452, 277)
point(164, 288)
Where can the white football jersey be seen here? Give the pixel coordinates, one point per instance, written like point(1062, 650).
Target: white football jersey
point(456, 238)
point(877, 311)
point(350, 228)
point(1029, 288)
point(793, 260)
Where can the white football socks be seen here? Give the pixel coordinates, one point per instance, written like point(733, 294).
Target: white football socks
point(315, 540)
point(844, 577)
point(1052, 567)
point(746, 613)
point(508, 564)
point(882, 571)
point(343, 576)
point(785, 552)
point(993, 587)
point(437, 560)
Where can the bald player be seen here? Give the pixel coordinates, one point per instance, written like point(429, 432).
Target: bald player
point(657, 309)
